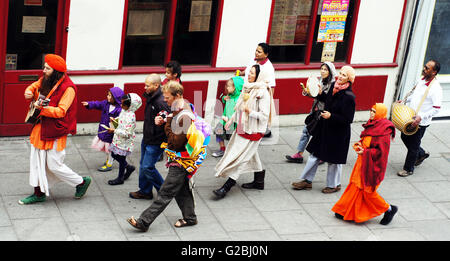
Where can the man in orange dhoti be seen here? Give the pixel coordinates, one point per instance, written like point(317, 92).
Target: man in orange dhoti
point(360, 201)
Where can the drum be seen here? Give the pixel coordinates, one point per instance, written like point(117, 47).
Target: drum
point(312, 86)
point(402, 117)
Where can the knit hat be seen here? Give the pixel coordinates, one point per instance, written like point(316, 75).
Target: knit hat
point(380, 111)
point(351, 73)
point(56, 62)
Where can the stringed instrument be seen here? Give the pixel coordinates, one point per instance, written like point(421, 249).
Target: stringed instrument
point(33, 115)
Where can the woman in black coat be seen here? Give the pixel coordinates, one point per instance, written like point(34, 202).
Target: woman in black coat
point(331, 137)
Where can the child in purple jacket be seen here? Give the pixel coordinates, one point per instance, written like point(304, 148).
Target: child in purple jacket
point(110, 108)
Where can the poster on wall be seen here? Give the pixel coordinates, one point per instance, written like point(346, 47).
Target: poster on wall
point(145, 22)
point(332, 20)
point(290, 22)
point(328, 52)
point(32, 3)
point(11, 61)
point(34, 24)
point(200, 16)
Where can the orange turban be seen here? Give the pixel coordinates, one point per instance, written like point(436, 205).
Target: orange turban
point(56, 62)
point(380, 111)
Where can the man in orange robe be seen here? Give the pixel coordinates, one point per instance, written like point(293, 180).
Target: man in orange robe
point(48, 137)
point(360, 201)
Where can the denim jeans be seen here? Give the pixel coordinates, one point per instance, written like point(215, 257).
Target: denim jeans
point(303, 140)
point(149, 176)
point(412, 143)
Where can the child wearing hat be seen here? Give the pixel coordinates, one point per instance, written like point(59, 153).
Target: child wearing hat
point(111, 107)
point(231, 94)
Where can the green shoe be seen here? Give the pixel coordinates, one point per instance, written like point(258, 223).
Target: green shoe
point(32, 199)
point(81, 190)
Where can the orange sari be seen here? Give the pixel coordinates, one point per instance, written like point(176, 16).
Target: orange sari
point(359, 203)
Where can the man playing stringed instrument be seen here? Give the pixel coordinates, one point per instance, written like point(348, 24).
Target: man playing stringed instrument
point(49, 135)
point(427, 97)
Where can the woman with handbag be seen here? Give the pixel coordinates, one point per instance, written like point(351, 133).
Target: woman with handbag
point(327, 77)
point(331, 138)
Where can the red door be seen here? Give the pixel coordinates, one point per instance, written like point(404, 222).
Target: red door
point(29, 30)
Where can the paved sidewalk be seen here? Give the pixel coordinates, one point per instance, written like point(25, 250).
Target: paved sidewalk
point(276, 213)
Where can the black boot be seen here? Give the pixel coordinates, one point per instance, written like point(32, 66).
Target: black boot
point(128, 170)
point(258, 181)
point(225, 188)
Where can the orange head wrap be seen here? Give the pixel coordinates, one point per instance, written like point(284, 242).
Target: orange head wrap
point(380, 111)
point(56, 62)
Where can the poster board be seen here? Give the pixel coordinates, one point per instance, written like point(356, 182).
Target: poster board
point(200, 16)
point(290, 22)
point(33, 24)
point(145, 22)
point(332, 20)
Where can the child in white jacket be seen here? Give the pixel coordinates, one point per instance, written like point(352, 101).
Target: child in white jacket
point(124, 135)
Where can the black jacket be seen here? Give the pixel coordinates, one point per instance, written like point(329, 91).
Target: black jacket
point(153, 134)
point(331, 138)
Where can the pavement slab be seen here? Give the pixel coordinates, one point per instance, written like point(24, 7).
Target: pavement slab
point(277, 213)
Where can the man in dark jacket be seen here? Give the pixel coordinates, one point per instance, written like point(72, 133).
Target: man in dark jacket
point(154, 135)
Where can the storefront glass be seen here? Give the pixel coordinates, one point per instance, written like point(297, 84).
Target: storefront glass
point(31, 33)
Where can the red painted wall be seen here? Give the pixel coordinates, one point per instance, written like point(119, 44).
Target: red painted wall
point(91, 92)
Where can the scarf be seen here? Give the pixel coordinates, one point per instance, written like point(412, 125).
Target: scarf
point(339, 86)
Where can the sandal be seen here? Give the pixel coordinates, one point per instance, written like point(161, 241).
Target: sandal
point(184, 223)
point(136, 224)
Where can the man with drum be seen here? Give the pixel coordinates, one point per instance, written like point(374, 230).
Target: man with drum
point(429, 104)
point(49, 135)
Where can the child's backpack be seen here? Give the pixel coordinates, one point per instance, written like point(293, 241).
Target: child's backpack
point(202, 125)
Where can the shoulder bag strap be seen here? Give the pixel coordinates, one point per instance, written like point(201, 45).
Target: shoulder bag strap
point(425, 95)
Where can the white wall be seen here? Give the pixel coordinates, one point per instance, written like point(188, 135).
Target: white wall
point(244, 25)
point(377, 31)
point(95, 34)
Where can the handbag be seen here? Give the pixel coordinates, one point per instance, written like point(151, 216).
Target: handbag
point(312, 120)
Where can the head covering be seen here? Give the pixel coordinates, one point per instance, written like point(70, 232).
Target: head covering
point(238, 82)
point(351, 73)
point(117, 93)
point(332, 70)
point(380, 111)
point(56, 62)
point(136, 102)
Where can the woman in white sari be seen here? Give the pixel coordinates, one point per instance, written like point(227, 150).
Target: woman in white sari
point(253, 113)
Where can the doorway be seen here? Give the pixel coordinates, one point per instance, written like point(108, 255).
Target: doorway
point(29, 30)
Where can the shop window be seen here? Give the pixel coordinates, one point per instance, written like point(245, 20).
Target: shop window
point(31, 33)
point(290, 32)
point(146, 32)
point(341, 47)
point(149, 40)
point(194, 31)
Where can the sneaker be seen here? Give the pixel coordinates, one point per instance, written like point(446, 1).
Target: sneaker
point(389, 215)
point(81, 189)
point(296, 158)
point(32, 199)
point(404, 173)
point(218, 153)
point(302, 185)
point(105, 167)
point(139, 195)
point(421, 159)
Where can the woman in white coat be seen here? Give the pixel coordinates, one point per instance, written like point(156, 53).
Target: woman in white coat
point(253, 113)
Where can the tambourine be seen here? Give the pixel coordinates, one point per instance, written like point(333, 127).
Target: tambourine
point(312, 86)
